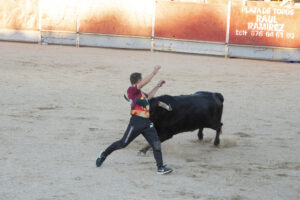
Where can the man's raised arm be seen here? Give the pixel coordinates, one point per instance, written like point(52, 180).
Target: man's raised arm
point(154, 90)
point(148, 78)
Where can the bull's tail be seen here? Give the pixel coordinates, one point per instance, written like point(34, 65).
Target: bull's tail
point(219, 98)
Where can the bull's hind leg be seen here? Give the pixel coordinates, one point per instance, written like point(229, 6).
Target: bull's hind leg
point(200, 134)
point(217, 139)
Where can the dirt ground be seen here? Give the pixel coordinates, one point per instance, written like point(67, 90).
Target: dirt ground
point(61, 106)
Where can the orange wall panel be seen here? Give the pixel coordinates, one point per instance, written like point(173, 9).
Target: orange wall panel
point(59, 15)
point(19, 14)
point(265, 25)
point(218, 1)
point(191, 21)
point(130, 17)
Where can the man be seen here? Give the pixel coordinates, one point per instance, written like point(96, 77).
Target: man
point(139, 121)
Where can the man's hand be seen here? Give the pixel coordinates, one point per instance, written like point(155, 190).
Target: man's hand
point(154, 90)
point(160, 83)
point(156, 69)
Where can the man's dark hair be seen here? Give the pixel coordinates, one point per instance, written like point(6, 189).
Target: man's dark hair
point(134, 77)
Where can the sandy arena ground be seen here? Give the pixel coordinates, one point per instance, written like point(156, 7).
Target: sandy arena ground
point(60, 106)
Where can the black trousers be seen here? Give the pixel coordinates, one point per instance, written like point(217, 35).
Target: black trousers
point(139, 125)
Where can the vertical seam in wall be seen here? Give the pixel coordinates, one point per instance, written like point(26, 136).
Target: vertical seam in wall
point(40, 23)
point(77, 27)
point(153, 24)
point(228, 28)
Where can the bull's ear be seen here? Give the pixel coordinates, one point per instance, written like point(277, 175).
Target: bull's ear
point(153, 103)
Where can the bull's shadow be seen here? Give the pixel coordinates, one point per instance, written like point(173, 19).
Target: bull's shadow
point(176, 114)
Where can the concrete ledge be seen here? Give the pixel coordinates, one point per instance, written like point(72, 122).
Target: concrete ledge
point(159, 44)
point(19, 35)
point(183, 46)
point(114, 41)
point(266, 53)
point(64, 38)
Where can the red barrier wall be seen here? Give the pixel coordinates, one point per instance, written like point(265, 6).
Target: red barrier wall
point(258, 23)
point(19, 15)
point(130, 17)
point(262, 24)
point(191, 21)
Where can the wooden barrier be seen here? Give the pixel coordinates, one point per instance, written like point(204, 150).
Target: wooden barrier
point(219, 27)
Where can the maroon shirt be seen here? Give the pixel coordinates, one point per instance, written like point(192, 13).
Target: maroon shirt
point(139, 102)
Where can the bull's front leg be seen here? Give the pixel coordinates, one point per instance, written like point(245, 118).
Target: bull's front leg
point(200, 134)
point(144, 150)
point(162, 138)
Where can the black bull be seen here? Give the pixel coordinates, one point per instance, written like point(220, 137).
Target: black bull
point(177, 114)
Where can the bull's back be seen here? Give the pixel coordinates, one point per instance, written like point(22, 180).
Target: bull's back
point(190, 111)
point(201, 100)
point(214, 95)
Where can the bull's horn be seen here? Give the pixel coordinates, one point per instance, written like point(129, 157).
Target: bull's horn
point(165, 106)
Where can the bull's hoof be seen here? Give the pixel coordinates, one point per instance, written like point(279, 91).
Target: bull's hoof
point(216, 142)
point(200, 136)
point(141, 153)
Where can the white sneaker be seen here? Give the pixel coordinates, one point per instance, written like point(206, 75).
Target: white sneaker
point(164, 170)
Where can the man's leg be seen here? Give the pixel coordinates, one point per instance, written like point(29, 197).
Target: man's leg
point(151, 136)
point(130, 134)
